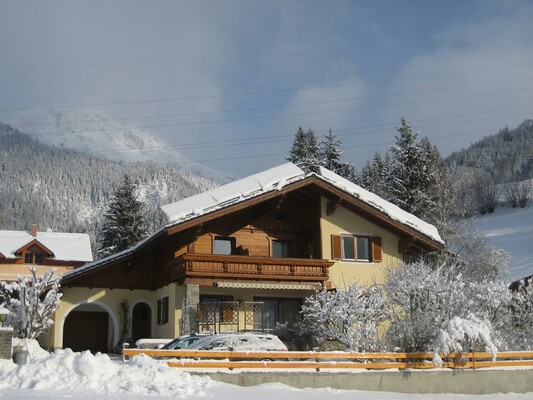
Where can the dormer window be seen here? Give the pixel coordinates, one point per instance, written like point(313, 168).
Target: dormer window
point(34, 258)
point(34, 255)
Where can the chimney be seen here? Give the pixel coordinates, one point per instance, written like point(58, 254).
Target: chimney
point(34, 230)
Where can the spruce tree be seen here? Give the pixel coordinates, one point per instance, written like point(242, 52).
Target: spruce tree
point(124, 225)
point(305, 149)
point(375, 176)
point(330, 149)
point(411, 172)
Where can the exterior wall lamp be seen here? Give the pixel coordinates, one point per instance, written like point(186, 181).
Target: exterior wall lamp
point(4, 312)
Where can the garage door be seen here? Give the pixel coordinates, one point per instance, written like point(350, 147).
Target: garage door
point(86, 330)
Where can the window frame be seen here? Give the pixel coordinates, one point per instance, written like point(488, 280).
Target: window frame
point(31, 258)
point(355, 238)
point(283, 243)
point(162, 310)
point(231, 240)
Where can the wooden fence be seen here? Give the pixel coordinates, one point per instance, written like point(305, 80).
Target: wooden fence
point(332, 360)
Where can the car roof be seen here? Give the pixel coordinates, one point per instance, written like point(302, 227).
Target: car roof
point(215, 337)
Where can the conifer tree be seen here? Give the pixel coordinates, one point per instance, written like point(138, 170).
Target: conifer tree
point(411, 173)
point(305, 148)
point(330, 149)
point(375, 175)
point(124, 225)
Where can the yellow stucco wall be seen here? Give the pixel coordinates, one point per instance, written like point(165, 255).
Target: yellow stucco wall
point(109, 300)
point(344, 273)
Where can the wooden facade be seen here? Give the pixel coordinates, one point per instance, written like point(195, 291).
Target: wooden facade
point(188, 257)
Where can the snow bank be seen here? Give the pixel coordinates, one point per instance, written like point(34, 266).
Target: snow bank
point(79, 372)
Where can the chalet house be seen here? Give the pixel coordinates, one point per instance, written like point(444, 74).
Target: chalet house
point(20, 251)
point(242, 256)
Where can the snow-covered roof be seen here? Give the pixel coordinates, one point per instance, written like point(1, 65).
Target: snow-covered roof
point(386, 207)
point(231, 193)
point(275, 179)
point(65, 246)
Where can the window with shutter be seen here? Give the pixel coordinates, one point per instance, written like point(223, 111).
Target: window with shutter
point(376, 249)
point(336, 251)
point(356, 248)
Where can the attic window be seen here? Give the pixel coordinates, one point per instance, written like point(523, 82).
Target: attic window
point(224, 245)
point(281, 248)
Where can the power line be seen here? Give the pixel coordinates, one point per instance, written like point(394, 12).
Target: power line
point(284, 105)
point(347, 147)
point(286, 115)
point(313, 87)
point(284, 138)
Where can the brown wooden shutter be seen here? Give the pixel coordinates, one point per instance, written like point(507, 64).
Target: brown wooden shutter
point(376, 249)
point(336, 250)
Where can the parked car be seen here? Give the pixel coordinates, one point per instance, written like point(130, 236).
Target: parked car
point(239, 342)
point(184, 341)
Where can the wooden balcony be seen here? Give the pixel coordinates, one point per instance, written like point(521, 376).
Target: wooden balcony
point(217, 267)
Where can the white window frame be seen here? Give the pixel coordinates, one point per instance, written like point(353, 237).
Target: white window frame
point(356, 238)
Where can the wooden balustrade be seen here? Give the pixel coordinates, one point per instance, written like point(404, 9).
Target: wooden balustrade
point(247, 267)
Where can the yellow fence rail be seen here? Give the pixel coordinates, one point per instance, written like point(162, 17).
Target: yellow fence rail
point(332, 360)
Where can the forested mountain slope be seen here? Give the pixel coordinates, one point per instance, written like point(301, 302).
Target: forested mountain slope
point(66, 190)
point(506, 156)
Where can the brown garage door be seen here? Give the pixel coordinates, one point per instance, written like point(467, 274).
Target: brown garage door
point(86, 330)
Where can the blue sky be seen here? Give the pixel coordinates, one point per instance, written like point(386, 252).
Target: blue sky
point(229, 82)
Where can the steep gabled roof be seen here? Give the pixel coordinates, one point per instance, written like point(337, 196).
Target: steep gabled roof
point(276, 179)
point(64, 246)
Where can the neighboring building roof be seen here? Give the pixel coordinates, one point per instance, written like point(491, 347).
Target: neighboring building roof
point(64, 246)
point(275, 179)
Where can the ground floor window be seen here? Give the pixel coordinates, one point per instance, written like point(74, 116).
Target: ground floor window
point(279, 311)
point(162, 311)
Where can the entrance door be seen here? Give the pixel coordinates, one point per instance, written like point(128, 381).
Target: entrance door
point(141, 321)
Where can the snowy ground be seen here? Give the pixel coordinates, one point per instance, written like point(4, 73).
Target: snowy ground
point(67, 375)
point(511, 230)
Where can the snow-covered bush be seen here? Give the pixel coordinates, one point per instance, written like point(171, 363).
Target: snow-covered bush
point(352, 316)
point(434, 308)
point(462, 334)
point(297, 336)
point(519, 333)
point(32, 303)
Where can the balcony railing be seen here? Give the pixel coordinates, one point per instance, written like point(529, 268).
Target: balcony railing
point(256, 268)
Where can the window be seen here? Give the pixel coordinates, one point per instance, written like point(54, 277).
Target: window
point(356, 248)
point(162, 311)
point(279, 311)
point(281, 248)
point(224, 245)
point(222, 308)
point(34, 258)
